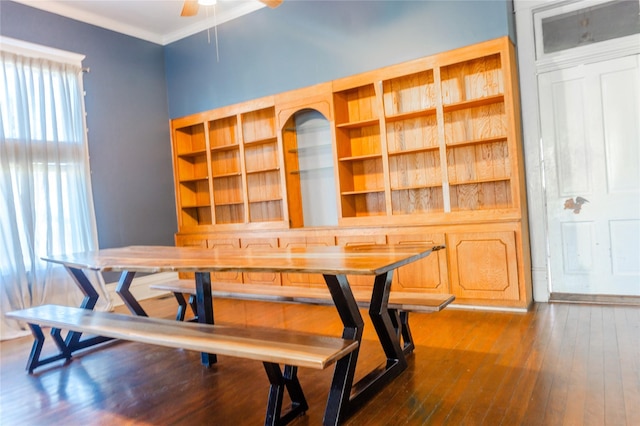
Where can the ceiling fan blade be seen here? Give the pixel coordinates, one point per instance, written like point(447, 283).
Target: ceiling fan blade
point(272, 3)
point(190, 8)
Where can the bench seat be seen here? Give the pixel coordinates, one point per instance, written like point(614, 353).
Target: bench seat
point(274, 347)
point(401, 301)
point(269, 345)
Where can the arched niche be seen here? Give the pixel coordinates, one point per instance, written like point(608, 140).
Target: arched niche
point(309, 166)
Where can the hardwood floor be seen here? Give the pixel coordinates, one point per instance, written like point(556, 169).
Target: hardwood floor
point(559, 364)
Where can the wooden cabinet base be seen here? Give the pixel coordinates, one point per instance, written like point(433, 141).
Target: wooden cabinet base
point(481, 264)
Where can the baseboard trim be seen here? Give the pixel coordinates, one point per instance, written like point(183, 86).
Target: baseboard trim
point(595, 299)
point(487, 308)
point(140, 287)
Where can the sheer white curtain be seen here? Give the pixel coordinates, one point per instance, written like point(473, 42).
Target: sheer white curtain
point(46, 205)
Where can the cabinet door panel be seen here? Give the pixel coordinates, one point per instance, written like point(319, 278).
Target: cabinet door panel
point(305, 280)
point(362, 281)
point(483, 265)
point(190, 242)
point(225, 277)
point(427, 275)
point(267, 278)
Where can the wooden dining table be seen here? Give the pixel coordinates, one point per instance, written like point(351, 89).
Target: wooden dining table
point(334, 263)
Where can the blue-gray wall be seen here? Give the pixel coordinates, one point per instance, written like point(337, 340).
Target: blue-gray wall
point(302, 43)
point(128, 121)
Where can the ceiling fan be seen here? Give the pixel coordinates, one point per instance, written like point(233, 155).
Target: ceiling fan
point(190, 7)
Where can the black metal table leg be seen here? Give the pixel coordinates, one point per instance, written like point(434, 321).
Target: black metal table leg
point(204, 302)
point(345, 397)
point(381, 319)
point(123, 291)
point(72, 341)
point(338, 402)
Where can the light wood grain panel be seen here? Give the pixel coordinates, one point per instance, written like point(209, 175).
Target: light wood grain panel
point(483, 265)
point(413, 170)
point(417, 201)
point(264, 186)
point(361, 103)
point(472, 79)
point(478, 162)
point(472, 124)
point(190, 138)
point(363, 205)
point(223, 132)
point(191, 216)
point(367, 175)
point(428, 274)
point(492, 161)
point(227, 190)
point(192, 167)
point(265, 211)
point(363, 141)
point(225, 162)
point(412, 133)
point(409, 93)
point(261, 157)
point(479, 196)
point(258, 125)
point(231, 213)
point(192, 193)
point(292, 168)
point(484, 77)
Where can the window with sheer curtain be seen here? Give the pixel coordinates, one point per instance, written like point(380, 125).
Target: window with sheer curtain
point(46, 205)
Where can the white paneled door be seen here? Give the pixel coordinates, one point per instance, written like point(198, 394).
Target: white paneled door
point(590, 127)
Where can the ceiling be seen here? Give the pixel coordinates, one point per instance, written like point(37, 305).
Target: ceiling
point(157, 21)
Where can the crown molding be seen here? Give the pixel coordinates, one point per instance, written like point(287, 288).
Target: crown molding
point(62, 9)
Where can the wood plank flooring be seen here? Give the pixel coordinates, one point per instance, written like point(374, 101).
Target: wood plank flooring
point(559, 364)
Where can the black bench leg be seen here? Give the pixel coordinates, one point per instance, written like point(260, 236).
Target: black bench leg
point(279, 383)
point(400, 321)
point(407, 338)
point(72, 342)
point(182, 306)
point(34, 358)
point(194, 306)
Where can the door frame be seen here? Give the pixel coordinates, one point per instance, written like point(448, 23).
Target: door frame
point(529, 67)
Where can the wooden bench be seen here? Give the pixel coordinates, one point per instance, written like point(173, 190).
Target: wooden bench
point(271, 346)
point(400, 303)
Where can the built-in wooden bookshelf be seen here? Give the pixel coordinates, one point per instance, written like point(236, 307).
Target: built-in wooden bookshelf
point(230, 174)
point(424, 151)
point(191, 165)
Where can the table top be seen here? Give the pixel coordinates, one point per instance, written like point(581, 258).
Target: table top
point(333, 260)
